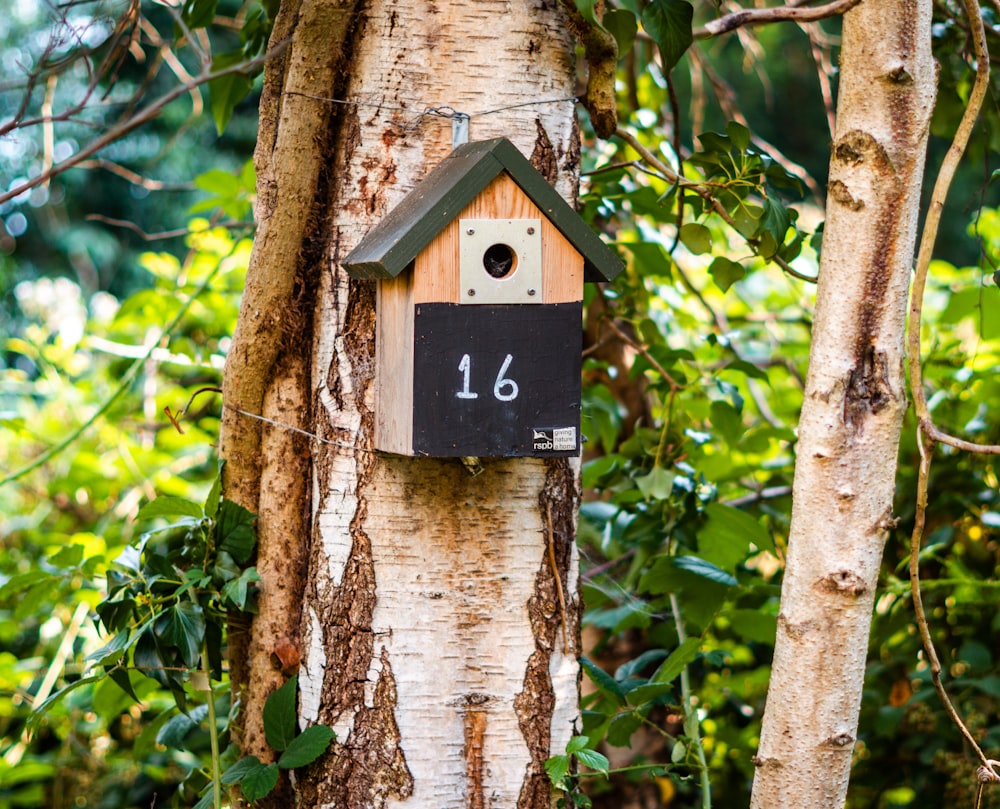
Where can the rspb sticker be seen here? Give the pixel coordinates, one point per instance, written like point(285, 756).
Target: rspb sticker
point(558, 439)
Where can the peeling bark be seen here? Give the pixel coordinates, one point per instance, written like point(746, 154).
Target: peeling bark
point(852, 414)
point(267, 369)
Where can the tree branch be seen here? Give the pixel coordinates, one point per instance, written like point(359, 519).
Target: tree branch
point(600, 49)
point(763, 16)
point(928, 435)
point(940, 193)
point(145, 115)
point(926, 446)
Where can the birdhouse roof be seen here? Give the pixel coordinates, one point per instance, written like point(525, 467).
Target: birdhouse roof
point(391, 246)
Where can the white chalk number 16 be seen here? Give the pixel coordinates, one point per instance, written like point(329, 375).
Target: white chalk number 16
point(504, 390)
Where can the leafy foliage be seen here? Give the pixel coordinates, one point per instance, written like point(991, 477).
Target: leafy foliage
point(693, 381)
point(297, 750)
point(72, 546)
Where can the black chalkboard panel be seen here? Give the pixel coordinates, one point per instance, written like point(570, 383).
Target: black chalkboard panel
point(497, 381)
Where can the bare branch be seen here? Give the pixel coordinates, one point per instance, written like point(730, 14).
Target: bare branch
point(145, 115)
point(763, 16)
point(174, 64)
point(916, 541)
point(928, 435)
point(940, 193)
point(133, 177)
point(643, 351)
point(824, 69)
point(165, 234)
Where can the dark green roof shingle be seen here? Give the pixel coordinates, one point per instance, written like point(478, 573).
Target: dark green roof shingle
point(407, 229)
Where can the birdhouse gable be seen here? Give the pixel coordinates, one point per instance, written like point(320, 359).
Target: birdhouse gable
point(447, 194)
point(544, 266)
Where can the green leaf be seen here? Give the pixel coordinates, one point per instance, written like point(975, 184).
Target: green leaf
point(696, 238)
point(259, 782)
point(594, 760)
point(621, 729)
point(557, 769)
point(225, 92)
point(623, 27)
point(239, 770)
point(586, 9)
point(177, 729)
point(679, 658)
point(662, 576)
point(214, 496)
point(36, 715)
point(24, 581)
point(644, 694)
point(776, 220)
point(576, 744)
point(67, 557)
point(706, 570)
point(207, 800)
point(123, 680)
point(727, 422)
point(238, 591)
point(635, 666)
point(605, 682)
point(111, 651)
point(668, 22)
point(649, 258)
point(739, 135)
point(747, 369)
point(747, 219)
point(35, 600)
point(306, 747)
point(279, 715)
point(754, 625)
point(725, 538)
point(170, 507)
point(657, 485)
point(219, 182)
point(679, 753)
point(989, 685)
point(199, 13)
point(183, 626)
point(234, 531)
point(726, 272)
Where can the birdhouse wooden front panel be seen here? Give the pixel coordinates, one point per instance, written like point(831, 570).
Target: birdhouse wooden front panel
point(478, 311)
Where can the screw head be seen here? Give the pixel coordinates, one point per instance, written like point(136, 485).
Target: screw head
point(471, 231)
point(531, 291)
point(531, 231)
point(472, 293)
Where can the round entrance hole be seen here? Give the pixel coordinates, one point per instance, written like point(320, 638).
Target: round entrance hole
point(499, 260)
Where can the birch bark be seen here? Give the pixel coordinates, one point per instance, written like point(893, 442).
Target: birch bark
point(854, 404)
point(431, 631)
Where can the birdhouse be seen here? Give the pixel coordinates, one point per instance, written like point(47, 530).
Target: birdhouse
point(480, 273)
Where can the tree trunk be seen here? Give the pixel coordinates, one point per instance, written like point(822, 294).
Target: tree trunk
point(431, 636)
point(853, 409)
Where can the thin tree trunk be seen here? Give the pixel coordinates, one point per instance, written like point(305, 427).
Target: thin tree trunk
point(432, 636)
point(854, 404)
